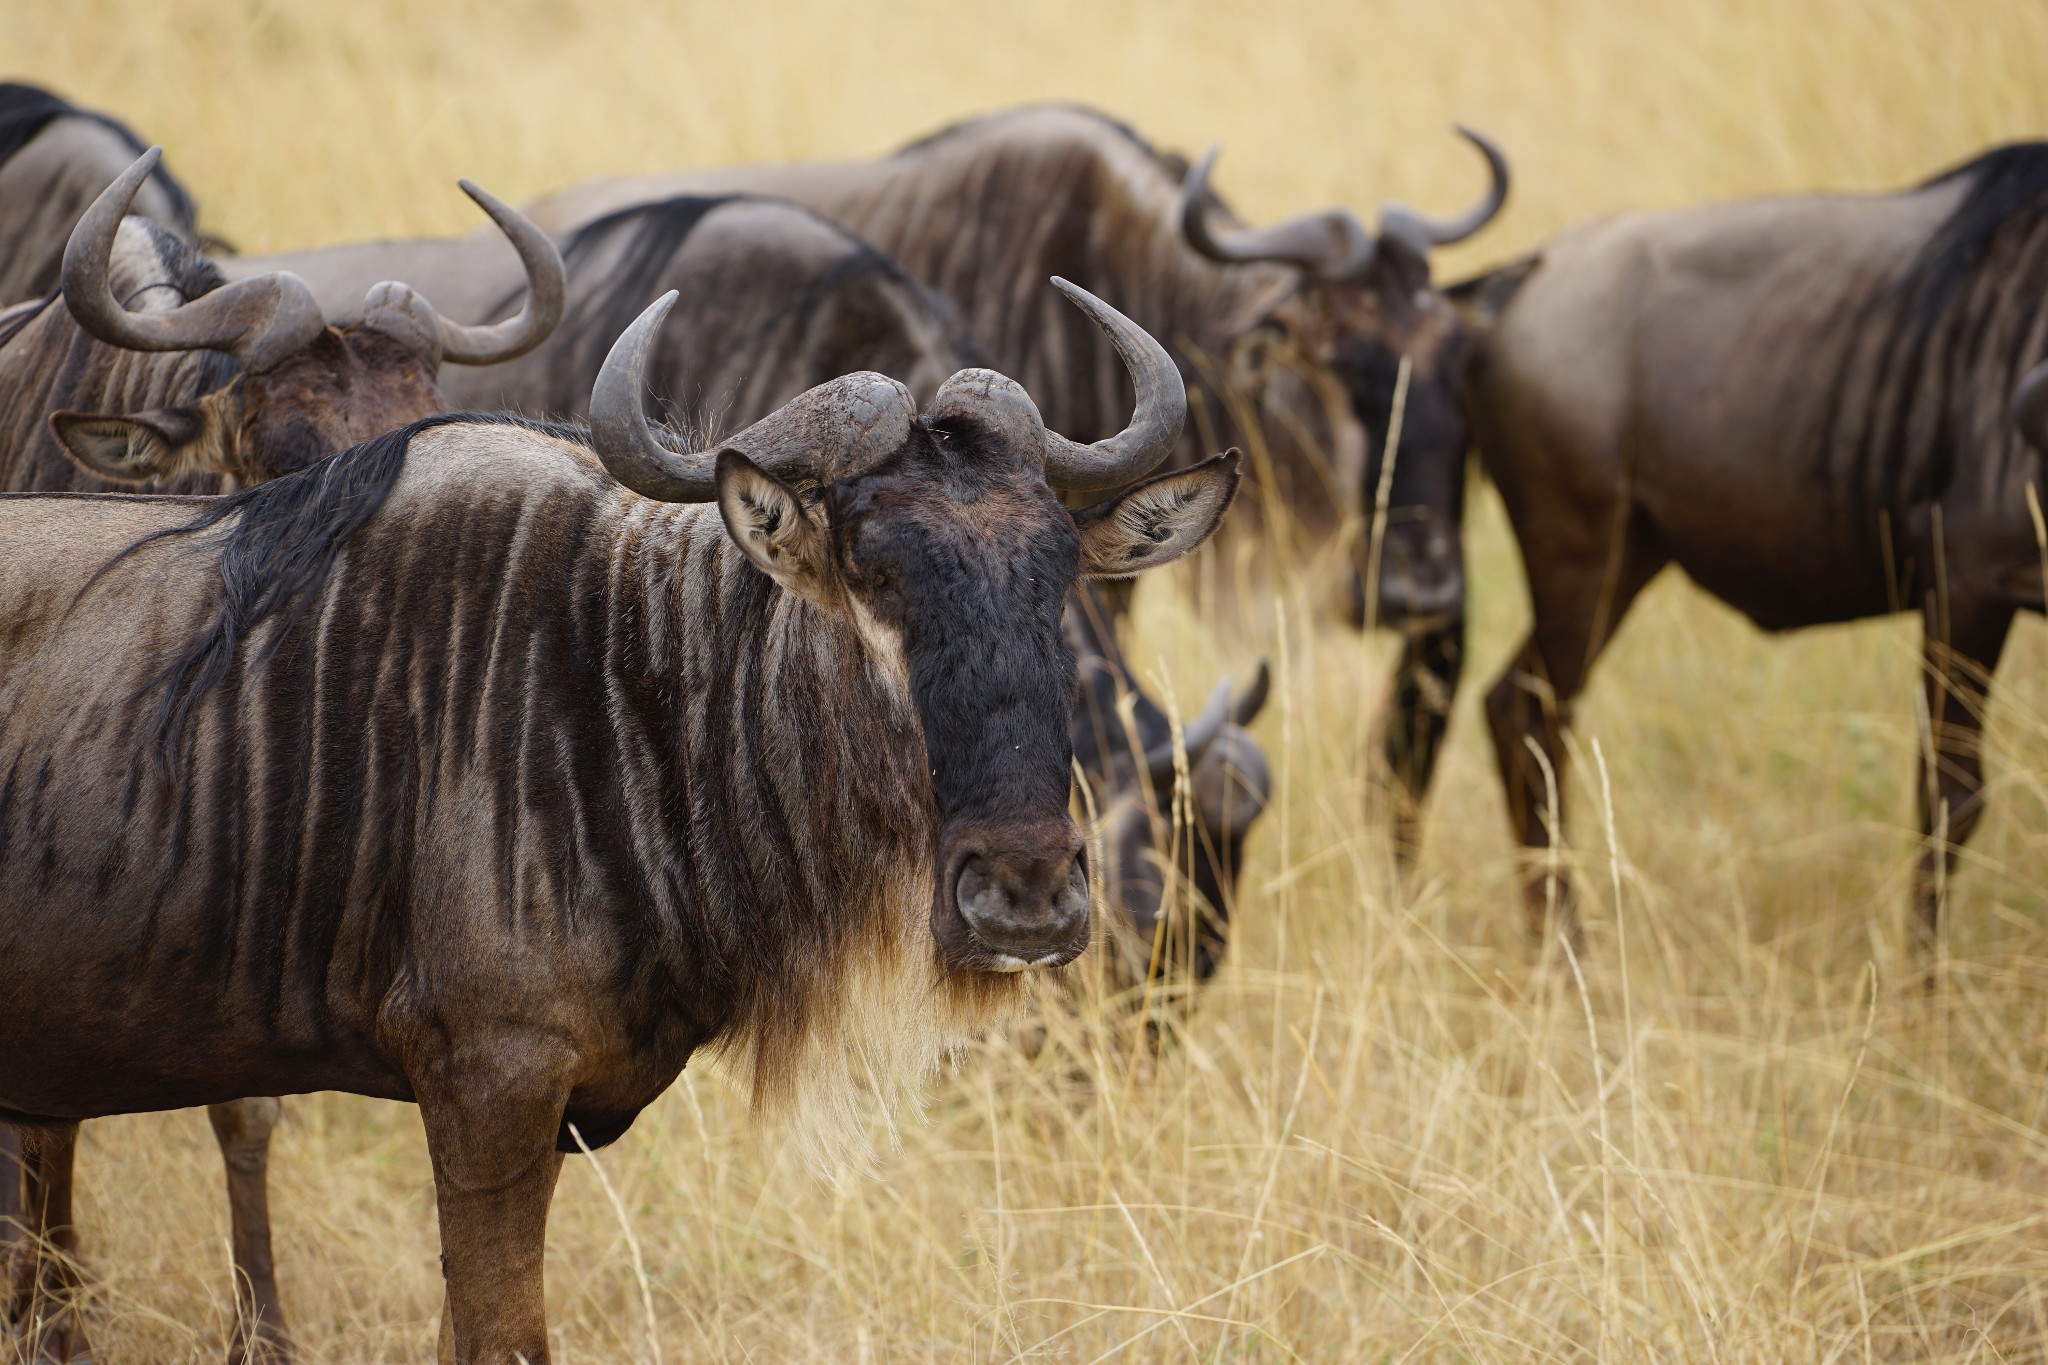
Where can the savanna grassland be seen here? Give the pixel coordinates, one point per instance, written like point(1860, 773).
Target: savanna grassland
point(1739, 1134)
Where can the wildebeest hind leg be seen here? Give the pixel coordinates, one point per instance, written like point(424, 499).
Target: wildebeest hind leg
point(242, 1127)
point(1957, 680)
point(1578, 603)
point(44, 1305)
point(1410, 731)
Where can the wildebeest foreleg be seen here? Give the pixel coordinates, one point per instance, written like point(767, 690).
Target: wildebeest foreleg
point(1410, 730)
point(1523, 709)
point(1579, 600)
point(242, 1127)
point(491, 1123)
point(1957, 679)
point(44, 1305)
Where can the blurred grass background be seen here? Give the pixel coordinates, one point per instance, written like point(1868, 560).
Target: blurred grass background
point(1387, 1136)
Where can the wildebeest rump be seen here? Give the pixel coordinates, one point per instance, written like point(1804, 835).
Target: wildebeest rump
point(501, 789)
point(203, 385)
point(55, 159)
point(776, 300)
point(1806, 404)
point(984, 210)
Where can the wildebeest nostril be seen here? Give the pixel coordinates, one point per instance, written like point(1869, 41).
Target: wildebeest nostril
point(980, 894)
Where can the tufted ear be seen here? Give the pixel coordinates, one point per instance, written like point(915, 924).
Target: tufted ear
point(1157, 521)
point(148, 445)
point(770, 525)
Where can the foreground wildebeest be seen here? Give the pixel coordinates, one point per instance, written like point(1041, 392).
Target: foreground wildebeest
point(203, 386)
point(471, 777)
point(1805, 403)
point(55, 159)
point(778, 300)
point(984, 210)
point(1124, 744)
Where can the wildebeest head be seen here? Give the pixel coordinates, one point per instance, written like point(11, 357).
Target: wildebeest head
point(942, 539)
point(1367, 303)
point(1228, 786)
point(303, 389)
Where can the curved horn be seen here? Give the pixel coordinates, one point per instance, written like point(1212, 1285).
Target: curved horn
point(827, 432)
point(1422, 232)
point(1332, 244)
point(260, 320)
point(1156, 419)
point(2030, 407)
point(547, 286)
point(1252, 700)
point(1196, 736)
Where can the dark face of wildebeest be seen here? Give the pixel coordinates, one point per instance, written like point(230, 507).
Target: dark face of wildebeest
point(1367, 303)
point(954, 556)
point(303, 389)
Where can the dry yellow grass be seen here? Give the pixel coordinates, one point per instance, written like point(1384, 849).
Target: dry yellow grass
point(1387, 1137)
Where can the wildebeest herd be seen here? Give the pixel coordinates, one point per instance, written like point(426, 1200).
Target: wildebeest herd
point(384, 707)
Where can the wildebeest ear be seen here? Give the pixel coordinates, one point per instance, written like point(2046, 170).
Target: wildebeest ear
point(1157, 521)
point(770, 525)
point(146, 445)
point(1481, 299)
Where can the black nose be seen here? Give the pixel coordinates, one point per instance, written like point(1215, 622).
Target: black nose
point(1031, 909)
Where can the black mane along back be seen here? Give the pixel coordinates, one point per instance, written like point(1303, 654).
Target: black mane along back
point(277, 556)
point(2007, 195)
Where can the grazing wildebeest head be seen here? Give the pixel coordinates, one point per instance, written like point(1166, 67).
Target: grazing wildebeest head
point(192, 380)
point(944, 540)
point(1173, 856)
point(55, 159)
point(500, 784)
point(1365, 305)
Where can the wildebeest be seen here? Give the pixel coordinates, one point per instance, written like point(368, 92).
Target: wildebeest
point(777, 300)
point(55, 158)
point(476, 772)
point(1155, 840)
point(984, 210)
point(205, 385)
point(1805, 403)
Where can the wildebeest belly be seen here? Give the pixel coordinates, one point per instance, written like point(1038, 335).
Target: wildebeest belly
point(113, 1008)
point(1753, 515)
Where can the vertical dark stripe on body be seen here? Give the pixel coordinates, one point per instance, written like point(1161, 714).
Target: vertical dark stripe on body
point(1928, 364)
